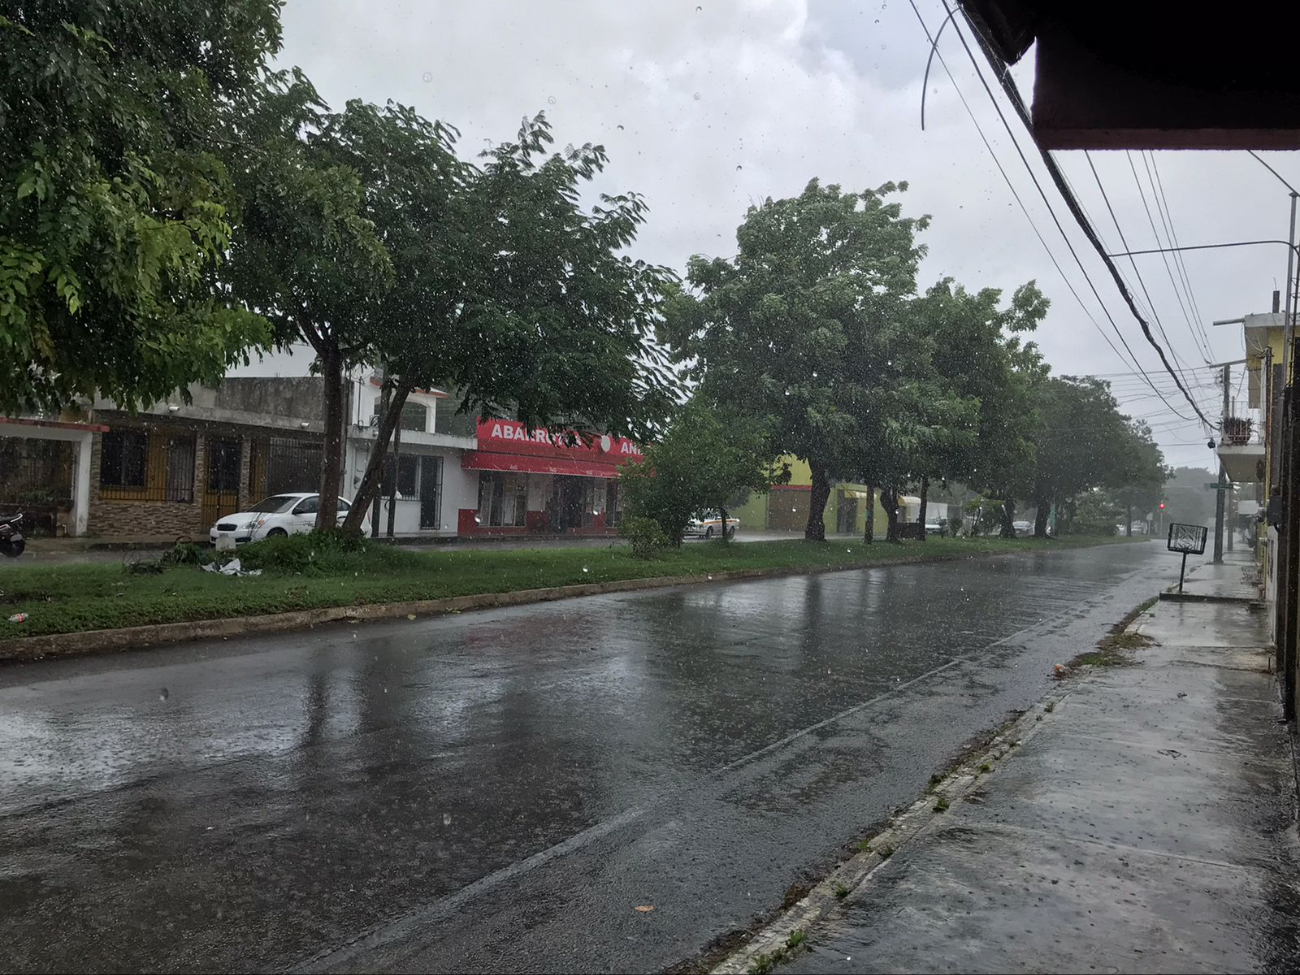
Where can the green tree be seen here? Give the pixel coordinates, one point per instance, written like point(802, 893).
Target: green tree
point(1094, 512)
point(1143, 478)
point(709, 459)
point(115, 206)
point(308, 256)
point(506, 289)
point(1083, 442)
point(771, 331)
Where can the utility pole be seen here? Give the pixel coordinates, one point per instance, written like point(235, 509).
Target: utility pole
point(1221, 494)
point(1230, 516)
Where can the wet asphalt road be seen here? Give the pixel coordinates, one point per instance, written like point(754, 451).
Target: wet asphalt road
point(499, 791)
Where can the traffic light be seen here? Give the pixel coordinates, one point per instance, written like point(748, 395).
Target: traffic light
point(1162, 506)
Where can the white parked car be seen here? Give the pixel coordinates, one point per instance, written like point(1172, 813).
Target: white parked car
point(710, 525)
point(280, 514)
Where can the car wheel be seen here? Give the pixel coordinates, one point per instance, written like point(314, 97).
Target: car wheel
point(708, 532)
point(731, 532)
point(277, 533)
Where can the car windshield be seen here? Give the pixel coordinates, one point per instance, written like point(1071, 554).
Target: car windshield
point(275, 504)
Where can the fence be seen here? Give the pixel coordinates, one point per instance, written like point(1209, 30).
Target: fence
point(35, 472)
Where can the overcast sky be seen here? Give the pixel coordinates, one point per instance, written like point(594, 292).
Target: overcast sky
point(708, 106)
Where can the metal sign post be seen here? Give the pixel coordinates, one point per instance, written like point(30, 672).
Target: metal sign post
point(1188, 539)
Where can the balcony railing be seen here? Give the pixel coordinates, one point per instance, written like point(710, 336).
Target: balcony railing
point(1237, 430)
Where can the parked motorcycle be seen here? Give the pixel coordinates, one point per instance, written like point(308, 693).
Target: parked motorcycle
point(12, 542)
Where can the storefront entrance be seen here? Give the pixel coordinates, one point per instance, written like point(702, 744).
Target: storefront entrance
point(567, 503)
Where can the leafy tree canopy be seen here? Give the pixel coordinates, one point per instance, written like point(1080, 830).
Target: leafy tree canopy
point(709, 459)
point(115, 206)
point(804, 325)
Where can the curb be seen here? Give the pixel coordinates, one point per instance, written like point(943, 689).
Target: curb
point(771, 944)
point(1195, 597)
point(140, 637)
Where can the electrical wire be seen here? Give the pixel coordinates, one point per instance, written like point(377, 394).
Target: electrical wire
point(1173, 283)
point(1171, 232)
point(1023, 209)
point(1013, 95)
point(1056, 220)
point(1133, 261)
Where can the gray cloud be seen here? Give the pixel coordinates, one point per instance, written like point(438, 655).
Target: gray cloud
point(708, 106)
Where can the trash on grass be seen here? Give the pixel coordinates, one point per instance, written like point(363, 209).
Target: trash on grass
point(18, 618)
point(231, 568)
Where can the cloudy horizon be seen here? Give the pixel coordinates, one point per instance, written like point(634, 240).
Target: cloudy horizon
point(707, 107)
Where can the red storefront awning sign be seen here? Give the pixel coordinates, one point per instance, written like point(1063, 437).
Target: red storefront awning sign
point(482, 460)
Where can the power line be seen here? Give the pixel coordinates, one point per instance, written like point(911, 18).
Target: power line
point(1133, 261)
point(1023, 209)
point(1173, 283)
point(1260, 159)
point(1068, 243)
point(1013, 95)
point(1172, 233)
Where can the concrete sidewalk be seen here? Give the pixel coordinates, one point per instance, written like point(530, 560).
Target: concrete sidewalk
point(1145, 825)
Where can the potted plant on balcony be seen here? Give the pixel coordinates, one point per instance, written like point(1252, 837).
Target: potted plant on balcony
point(1236, 429)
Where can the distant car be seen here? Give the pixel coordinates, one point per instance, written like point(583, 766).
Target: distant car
point(936, 528)
point(710, 525)
point(280, 514)
point(1023, 528)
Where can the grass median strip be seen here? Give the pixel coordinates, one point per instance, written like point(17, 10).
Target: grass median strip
point(70, 599)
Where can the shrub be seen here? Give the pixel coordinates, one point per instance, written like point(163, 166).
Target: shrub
point(330, 550)
point(647, 538)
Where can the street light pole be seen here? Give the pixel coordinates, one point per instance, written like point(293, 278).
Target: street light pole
point(1287, 321)
point(1221, 494)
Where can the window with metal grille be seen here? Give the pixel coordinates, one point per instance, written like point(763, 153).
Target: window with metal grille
point(408, 476)
point(123, 459)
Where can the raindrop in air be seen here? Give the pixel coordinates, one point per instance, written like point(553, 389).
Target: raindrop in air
point(163, 694)
point(620, 128)
point(446, 819)
point(427, 76)
point(585, 569)
point(739, 167)
point(696, 96)
point(699, 9)
point(551, 100)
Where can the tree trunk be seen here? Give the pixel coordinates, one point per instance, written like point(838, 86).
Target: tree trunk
point(1128, 521)
point(925, 491)
point(869, 534)
point(889, 501)
point(821, 492)
point(1040, 520)
point(1008, 519)
point(368, 491)
point(385, 397)
point(392, 484)
point(723, 511)
point(331, 361)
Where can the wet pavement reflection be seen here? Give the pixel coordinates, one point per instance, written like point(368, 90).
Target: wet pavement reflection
point(501, 790)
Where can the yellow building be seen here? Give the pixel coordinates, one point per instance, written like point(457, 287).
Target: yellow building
point(1248, 445)
point(785, 507)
